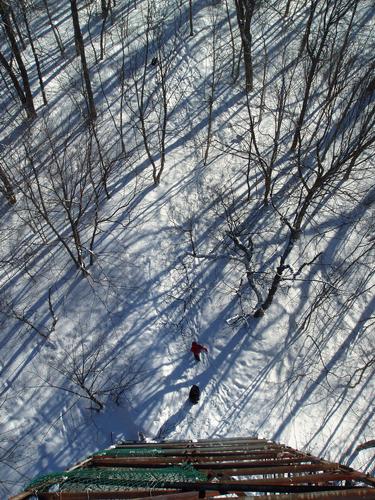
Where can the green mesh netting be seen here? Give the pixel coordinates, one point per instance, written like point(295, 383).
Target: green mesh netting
point(110, 478)
point(130, 452)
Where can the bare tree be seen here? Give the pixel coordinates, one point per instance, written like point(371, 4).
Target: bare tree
point(330, 15)
point(340, 147)
point(33, 49)
point(24, 316)
point(97, 372)
point(54, 28)
point(154, 90)
point(213, 81)
point(64, 186)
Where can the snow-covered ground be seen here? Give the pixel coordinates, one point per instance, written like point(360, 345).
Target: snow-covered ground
point(191, 258)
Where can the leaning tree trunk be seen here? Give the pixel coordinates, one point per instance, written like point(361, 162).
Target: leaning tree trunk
point(28, 103)
point(245, 11)
point(81, 51)
point(14, 79)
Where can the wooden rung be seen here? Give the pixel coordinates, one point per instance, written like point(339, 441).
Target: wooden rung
point(200, 465)
point(283, 469)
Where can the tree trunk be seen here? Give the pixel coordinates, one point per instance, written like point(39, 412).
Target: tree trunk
point(245, 11)
point(29, 103)
point(19, 34)
point(13, 77)
point(105, 8)
point(293, 237)
point(55, 32)
point(105, 11)
point(191, 17)
point(81, 51)
point(306, 34)
point(8, 189)
point(37, 63)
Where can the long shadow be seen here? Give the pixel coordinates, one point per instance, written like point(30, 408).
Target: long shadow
point(173, 421)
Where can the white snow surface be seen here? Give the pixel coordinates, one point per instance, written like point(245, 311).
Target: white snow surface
point(149, 293)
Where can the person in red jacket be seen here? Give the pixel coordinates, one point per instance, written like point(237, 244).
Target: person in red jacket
point(196, 349)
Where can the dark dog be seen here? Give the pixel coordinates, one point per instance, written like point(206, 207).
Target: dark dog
point(194, 394)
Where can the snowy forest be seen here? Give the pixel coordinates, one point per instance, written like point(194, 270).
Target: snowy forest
point(175, 171)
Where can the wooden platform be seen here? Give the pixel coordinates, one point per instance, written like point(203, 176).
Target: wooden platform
point(240, 466)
